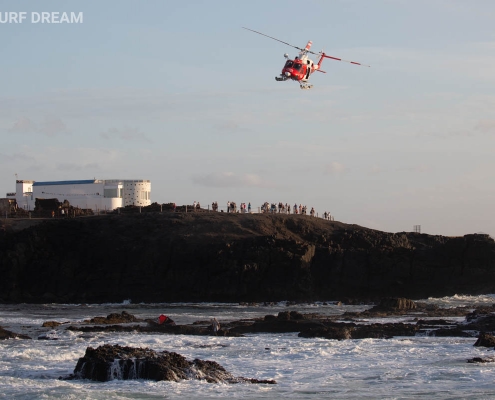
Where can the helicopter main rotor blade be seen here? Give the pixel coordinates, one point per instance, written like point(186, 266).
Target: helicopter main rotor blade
point(340, 59)
point(288, 44)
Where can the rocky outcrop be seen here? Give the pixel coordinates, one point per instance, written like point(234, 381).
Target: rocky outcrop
point(485, 340)
point(114, 318)
point(315, 325)
point(109, 362)
point(5, 334)
point(353, 331)
point(160, 257)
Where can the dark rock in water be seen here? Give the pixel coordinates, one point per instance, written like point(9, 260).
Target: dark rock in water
point(481, 322)
point(109, 362)
point(342, 333)
point(480, 360)
point(52, 324)
point(156, 328)
point(450, 332)
point(485, 340)
point(353, 331)
point(114, 318)
point(51, 335)
point(394, 304)
point(5, 334)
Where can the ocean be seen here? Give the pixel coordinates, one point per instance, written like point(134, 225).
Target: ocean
point(415, 367)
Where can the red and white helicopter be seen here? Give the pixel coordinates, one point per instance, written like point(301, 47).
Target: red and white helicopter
point(302, 67)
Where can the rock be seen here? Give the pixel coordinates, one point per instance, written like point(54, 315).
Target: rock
point(485, 340)
point(342, 331)
point(114, 318)
point(481, 360)
point(109, 362)
point(481, 322)
point(51, 335)
point(52, 324)
point(5, 334)
point(394, 304)
point(328, 333)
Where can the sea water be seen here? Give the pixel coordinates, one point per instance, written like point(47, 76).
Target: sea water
point(399, 368)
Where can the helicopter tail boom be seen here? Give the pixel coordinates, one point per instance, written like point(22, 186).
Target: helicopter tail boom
point(323, 55)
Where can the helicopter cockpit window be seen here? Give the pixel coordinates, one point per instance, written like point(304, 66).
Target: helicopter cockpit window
point(297, 66)
point(288, 64)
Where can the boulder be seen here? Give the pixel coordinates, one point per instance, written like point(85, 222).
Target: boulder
point(109, 362)
point(485, 340)
point(395, 304)
point(5, 334)
point(114, 318)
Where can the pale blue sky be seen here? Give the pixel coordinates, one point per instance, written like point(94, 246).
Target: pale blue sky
point(179, 93)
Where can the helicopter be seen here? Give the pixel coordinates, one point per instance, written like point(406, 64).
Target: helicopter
point(302, 66)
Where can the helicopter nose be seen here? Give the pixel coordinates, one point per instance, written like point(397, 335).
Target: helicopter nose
point(287, 73)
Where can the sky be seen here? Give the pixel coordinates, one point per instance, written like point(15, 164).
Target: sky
point(178, 93)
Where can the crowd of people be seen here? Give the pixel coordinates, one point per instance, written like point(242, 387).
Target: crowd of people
point(273, 208)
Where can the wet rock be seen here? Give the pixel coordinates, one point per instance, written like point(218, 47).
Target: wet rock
point(481, 321)
point(5, 334)
point(481, 360)
point(114, 318)
point(353, 331)
point(51, 335)
point(450, 332)
point(328, 333)
point(485, 340)
point(394, 304)
point(109, 362)
point(155, 328)
point(52, 324)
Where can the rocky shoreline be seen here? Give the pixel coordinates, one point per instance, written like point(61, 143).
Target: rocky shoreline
point(220, 257)
point(418, 319)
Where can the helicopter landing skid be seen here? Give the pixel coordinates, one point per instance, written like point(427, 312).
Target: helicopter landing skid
point(281, 78)
point(305, 86)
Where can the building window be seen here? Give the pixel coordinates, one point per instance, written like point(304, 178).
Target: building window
point(110, 193)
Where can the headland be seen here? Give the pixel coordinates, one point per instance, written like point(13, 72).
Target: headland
point(224, 257)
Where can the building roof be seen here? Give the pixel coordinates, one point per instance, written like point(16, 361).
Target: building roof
point(83, 182)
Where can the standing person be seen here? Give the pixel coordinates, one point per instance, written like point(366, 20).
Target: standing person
point(228, 206)
point(249, 207)
point(215, 325)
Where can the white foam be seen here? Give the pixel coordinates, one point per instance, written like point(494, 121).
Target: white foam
point(304, 368)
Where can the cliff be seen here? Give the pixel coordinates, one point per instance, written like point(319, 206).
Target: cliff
point(165, 257)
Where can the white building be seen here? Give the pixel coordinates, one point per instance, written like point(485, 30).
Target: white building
point(94, 194)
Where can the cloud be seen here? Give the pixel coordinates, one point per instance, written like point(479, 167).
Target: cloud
point(53, 127)
point(375, 170)
point(229, 179)
point(335, 168)
point(23, 125)
point(50, 127)
point(77, 167)
point(130, 134)
point(486, 126)
point(422, 168)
